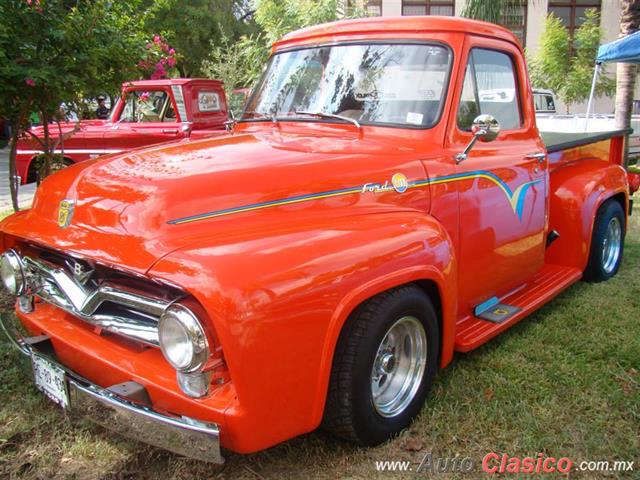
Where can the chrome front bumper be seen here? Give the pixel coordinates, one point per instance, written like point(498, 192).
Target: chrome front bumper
point(181, 435)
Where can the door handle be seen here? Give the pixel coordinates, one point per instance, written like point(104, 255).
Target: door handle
point(539, 156)
point(169, 130)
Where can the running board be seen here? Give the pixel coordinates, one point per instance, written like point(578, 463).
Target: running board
point(475, 330)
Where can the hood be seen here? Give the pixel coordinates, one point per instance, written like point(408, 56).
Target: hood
point(135, 208)
point(95, 127)
point(65, 127)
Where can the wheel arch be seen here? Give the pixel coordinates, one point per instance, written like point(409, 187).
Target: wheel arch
point(439, 286)
point(621, 197)
point(32, 174)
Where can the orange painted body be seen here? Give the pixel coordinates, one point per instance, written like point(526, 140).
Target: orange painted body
point(278, 282)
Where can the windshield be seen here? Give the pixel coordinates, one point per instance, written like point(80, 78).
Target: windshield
point(373, 84)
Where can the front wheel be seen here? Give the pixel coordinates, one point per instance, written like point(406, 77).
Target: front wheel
point(607, 242)
point(385, 361)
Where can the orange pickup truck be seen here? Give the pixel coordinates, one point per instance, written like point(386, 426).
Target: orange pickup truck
point(384, 201)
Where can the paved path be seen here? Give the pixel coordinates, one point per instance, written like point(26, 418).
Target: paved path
point(25, 193)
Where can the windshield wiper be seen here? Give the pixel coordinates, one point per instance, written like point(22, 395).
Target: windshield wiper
point(263, 116)
point(330, 115)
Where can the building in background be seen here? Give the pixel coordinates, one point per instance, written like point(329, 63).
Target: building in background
point(525, 20)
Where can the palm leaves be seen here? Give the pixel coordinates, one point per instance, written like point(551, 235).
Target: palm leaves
point(488, 10)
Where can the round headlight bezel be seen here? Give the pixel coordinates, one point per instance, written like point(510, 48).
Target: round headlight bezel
point(12, 261)
point(192, 330)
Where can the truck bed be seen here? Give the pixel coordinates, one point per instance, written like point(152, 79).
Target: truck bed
point(556, 141)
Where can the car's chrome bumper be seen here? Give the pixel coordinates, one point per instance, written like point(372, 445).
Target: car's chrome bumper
point(181, 435)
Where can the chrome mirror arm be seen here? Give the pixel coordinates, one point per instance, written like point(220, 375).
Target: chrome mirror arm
point(484, 128)
point(462, 156)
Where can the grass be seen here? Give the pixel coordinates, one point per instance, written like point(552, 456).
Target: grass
point(5, 213)
point(565, 382)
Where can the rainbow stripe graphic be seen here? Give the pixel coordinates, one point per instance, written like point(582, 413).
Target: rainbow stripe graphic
point(516, 198)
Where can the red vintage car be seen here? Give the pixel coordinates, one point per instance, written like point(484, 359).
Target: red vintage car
point(149, 112)
point(385, 201)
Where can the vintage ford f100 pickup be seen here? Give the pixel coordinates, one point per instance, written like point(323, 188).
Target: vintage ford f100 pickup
point(384, 201)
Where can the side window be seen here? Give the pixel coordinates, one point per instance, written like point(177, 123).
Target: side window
point(147, 106)
point(551, 106)
point(539, 102)
point(208, 102)
point(494, 86)
point(469, 106)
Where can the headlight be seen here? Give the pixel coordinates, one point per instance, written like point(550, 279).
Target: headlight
point(182, 339)
point(12, 272)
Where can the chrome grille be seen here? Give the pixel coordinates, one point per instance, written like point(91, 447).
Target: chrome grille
point(113, 307)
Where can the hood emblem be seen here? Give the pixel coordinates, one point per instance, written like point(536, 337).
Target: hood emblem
point(399, 183)
point(65, 213)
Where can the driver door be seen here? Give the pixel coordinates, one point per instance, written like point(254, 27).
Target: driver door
point(147, 117)
point(502, 184)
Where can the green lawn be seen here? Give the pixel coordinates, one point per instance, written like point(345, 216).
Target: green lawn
point(564, 381)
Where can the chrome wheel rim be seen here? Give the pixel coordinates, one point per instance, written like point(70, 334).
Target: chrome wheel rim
point(398, 367)
point(611, 245)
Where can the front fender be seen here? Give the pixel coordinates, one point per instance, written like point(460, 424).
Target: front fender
point(577, 191)
point(278, 301)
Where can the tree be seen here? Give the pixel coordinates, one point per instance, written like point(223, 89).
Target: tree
point(549, 68)
point(191, 27)
point(237, 62)
point(241, 63)
point(59, 51)
point(566, 65)
point(626, 72)
point(489, 11)
point(279, 17)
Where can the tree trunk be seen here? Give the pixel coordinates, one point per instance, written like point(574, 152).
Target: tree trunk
point(45, 169)
point(626, 73)
point(13, 184)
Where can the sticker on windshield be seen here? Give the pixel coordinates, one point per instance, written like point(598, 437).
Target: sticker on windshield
point(415, 118)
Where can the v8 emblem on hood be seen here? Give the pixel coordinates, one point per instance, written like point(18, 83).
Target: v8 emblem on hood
point(65, 213)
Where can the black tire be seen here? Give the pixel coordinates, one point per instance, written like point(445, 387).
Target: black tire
point(602, 265)
point(350, 412)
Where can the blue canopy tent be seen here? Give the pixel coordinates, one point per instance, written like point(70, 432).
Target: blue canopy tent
point(623, 50)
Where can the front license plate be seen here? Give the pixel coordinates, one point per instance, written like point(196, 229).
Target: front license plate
point(50, 380)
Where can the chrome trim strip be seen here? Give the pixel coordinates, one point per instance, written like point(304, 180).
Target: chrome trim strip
point(179, 99)
point(103, 151)
point(56, 286)
point(182, 435)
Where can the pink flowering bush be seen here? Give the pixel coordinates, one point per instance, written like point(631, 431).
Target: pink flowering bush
point(35, 5)
point(160, 61)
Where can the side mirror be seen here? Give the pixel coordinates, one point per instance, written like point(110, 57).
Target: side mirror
point(231, 122)
point(484, 128)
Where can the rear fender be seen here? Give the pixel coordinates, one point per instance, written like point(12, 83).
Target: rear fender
point(576, 192)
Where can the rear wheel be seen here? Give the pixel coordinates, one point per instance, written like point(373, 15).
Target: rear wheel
point(607, 242)
point(385, 361)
